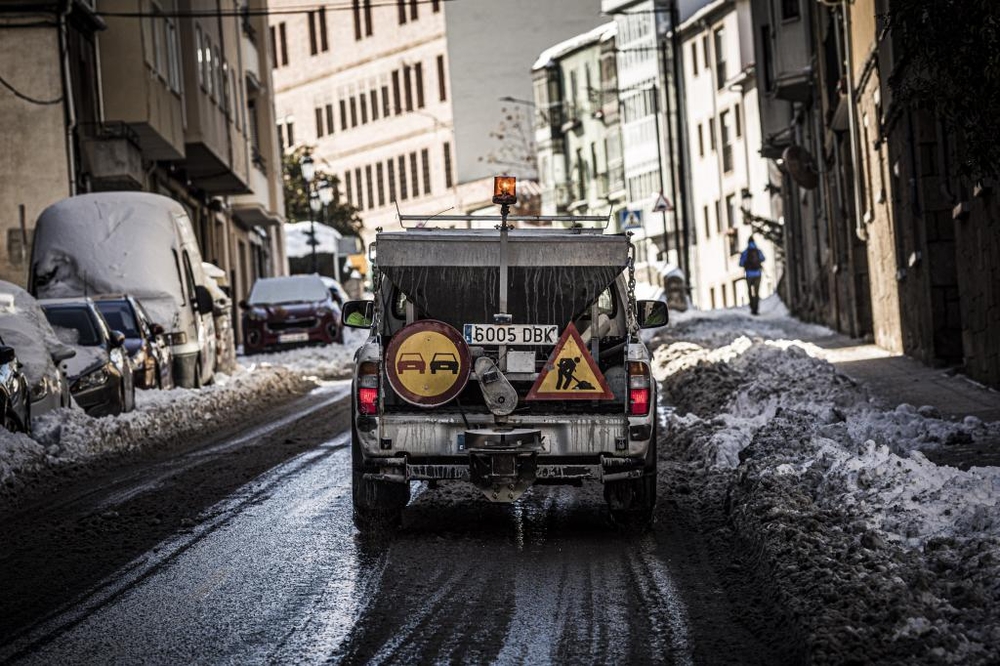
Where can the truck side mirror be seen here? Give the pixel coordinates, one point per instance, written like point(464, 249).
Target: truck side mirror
point(652, 314)
point(358, 314)
point(204, 303)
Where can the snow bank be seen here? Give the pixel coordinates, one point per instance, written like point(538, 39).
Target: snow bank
point(67, 436)
point(882, 555)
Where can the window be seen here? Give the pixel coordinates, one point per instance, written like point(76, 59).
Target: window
point(381, 184)
point(414, 174)
point(360, 187)
point(363, 103)
point(403, 194)
point(413, 10)
point(401, 4)
point(407, 87)
point(313, 45)
point(726, 138)
point(789, 10)
point(708, 222)
point(385, 101)
point(237, 108)
point(448, 180)
point(734, 237)
point(347, 187)
point(720, 57)
point(435, 6)
point(767, 56)
point(711, 132)
point(701, 141)
point(218, 74)
point(356, 7)
point(418, 71)
point(395, 91)
point(343, 114)
point(353, 103)
point(373, 96)
point(391, 172)
point(324, 42)
point(329, 119)
point(705, 52)
point(738, 121)
point(694, 57)
point(209, 76)
point(281, 136)
point(319, 122)
point(368, 18)
point(442, 88)
point(718, 216)
point(290, 130)
point(283, 40)
point(371, 189)
point(199, 46)
point(425, 162)
point(173, 58)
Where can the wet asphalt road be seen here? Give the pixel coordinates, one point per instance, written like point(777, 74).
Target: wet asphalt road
point(269, 569)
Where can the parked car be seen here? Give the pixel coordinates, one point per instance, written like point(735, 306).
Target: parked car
point(15, 401)
point(289, 311)
point(137, 243)
point(337, 290)
point(100, 375)
point(152, 360)
point(25, 328)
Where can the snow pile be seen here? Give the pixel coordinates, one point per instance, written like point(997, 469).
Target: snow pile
point(67, 436)
point(881, 555)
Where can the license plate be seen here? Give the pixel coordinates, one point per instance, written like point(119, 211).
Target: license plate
point(511, 334)
point(293, 337)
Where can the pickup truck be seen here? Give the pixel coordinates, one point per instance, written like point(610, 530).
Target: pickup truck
point(504, 358)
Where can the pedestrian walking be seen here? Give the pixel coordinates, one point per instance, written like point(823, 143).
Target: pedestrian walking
point(751, 261)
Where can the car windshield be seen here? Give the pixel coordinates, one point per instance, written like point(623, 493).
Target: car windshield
point(119, 316)
point(294, 289)
point(74, 324)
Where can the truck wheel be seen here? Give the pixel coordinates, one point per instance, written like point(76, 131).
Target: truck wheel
point(631, 502)
point(378, 505)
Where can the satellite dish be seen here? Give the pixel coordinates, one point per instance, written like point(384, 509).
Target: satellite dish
point(801, 166)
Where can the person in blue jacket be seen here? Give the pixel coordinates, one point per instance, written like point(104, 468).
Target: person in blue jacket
point(751, 261)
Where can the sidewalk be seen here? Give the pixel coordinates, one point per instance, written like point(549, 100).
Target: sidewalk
point(900, 379)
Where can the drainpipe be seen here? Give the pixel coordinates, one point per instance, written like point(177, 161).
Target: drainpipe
point(69, 111)
point(852, 123)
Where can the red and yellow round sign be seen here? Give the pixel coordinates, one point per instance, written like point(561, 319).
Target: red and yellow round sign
point(427, 363)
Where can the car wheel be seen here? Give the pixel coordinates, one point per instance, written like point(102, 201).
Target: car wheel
point(631, 501)
point(378, 505)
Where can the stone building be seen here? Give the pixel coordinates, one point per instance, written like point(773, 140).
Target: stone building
point(155, 96)
point(882, 238)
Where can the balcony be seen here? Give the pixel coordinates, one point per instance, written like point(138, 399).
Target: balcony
point(257, 208)
point(111, 156)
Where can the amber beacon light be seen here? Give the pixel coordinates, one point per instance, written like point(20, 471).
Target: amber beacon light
point(504, 190)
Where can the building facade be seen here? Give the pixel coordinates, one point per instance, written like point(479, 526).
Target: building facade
point(730, 180)
point(399, 100)
point(155, 96)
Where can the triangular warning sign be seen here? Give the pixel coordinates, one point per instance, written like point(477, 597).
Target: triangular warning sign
point(570, 373)
point(662, 204)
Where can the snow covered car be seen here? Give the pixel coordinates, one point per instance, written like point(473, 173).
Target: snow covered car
point(504, 358)
point(24, 326)
point(289, 311)
point(100, 375)
point(15, 403)
point(137, 243)
point(152, 360)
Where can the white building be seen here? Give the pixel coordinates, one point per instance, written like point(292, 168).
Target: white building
point(727, 172)
point(399, 99)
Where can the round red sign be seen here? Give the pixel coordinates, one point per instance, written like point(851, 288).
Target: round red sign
point(427, 363)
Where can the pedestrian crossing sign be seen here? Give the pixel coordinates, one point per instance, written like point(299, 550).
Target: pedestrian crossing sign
point(570, 373)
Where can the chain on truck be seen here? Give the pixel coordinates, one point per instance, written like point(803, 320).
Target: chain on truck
point(503, 357)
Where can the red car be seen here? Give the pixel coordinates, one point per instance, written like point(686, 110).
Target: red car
point(289, 312)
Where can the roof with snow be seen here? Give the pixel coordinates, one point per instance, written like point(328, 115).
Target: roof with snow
point(598, 34)
point(297, 239)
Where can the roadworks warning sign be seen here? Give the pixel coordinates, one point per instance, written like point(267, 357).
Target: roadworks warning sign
point(570, 373)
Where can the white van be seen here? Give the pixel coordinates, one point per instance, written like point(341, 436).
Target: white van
point(137, 243)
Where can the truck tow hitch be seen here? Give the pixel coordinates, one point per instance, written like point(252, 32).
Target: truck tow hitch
point(503, 463)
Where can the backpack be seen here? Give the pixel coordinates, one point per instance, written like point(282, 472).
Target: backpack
point(752, 262)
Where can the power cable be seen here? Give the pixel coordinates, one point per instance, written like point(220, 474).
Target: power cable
point(27, 98)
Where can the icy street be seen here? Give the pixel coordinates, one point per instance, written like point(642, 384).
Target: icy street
point(801, 519)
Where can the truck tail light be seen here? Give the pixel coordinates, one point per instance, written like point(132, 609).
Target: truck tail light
point(368, 388)
point(639, 391)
